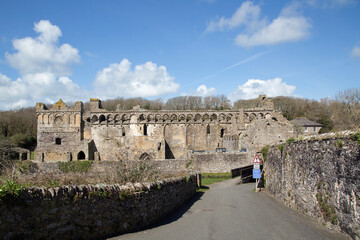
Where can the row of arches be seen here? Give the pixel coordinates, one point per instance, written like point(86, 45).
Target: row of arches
point(251, 116)
point(160, 118)
point(59, 119)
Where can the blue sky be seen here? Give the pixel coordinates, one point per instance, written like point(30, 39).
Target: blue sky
point(75, 50)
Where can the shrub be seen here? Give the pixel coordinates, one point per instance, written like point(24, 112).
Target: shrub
point(10, 189)
point(290, 140)
point(281, 147)
point(339, 143)
point(265, 151)
point(357, 138)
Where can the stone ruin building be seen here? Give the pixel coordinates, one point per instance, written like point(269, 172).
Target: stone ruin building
point(70, 133)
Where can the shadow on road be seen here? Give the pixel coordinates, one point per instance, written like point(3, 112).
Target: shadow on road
point(178, 213)
point(172, 217)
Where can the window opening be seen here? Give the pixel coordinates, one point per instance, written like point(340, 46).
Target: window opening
point(208, 129)
point(221, 132)
point(58, 141)
point(145, 130)
point(81, 155)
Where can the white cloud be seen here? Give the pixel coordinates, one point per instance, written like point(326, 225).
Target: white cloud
point(146, 80)
point(204, 91)
point(39, 87)
point(42, 54)
point(289, 26)
point(355, 52)
point(246, 14)
point(44, 68)
point(255, 87)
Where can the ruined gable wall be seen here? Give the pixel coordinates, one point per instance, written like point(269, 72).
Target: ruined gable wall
point(59, 131)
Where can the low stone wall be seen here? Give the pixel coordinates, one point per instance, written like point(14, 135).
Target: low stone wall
point(320, 178)
point(205, 162)
point(91, 212)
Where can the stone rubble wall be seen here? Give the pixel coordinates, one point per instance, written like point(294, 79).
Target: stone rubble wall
point(320, 178)
point(207, 162)
point(91, 211)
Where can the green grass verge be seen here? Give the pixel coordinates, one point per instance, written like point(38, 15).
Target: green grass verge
point(75, 166)
point(211, 178)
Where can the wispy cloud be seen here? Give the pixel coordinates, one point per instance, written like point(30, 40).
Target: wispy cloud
point(289, 26)
point(213, 75)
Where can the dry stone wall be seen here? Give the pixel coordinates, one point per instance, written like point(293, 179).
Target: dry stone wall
point(91, 211)
point(320, 178)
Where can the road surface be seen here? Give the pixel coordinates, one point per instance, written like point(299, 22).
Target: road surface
point(232, 211)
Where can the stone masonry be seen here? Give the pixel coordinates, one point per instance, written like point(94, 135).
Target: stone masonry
point(70, 133)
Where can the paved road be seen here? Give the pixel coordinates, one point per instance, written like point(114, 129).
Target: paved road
point(231, 211)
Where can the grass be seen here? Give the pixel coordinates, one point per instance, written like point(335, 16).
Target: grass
point(211, 178)
point(75, 166)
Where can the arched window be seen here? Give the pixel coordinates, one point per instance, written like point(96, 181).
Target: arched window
point(221, 132)
point(81, 155)
point(208, 129)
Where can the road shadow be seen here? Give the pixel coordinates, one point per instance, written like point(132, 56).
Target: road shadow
point(169, 218)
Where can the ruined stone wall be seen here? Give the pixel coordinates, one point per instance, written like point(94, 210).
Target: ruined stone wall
point(141, 134)
point(205, 162)
point(91, 212)
point(320, 178)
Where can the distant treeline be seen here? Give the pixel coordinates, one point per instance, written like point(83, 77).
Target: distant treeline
point(340, 113)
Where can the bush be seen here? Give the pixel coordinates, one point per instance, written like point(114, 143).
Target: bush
point(281, 147)
point(10, 189)
point(357, 138)
point(290, 140)
point(265, 151)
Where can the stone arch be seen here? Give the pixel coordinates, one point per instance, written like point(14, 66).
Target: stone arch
point(102, 119)
point(81, 156)
point(145, 157)
point(125, 118)
point(173, 118)
point(133, 119)
point(267, 116)
point(213, 117)
point(141, 118)
point(181, 118)
point(109, 118)
point(66, 118)
point(222, 117)
point(116, 118)
point(252, 117)
point(58, 121)
point(206, 117)
point(157, 118)
point(77, 118)
point(229, 117)
point(260, 116)
point(94, 119)
point(40, 118)
point(150, 118)
point(197, 118)
point(165, 117)
point(189, 118)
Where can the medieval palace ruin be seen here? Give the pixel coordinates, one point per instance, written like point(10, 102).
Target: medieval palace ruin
point(70, 133)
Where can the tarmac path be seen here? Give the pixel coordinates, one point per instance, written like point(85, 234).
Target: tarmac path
point(232, 211)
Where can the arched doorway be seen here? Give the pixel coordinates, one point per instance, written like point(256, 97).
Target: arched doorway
point(81, 155)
